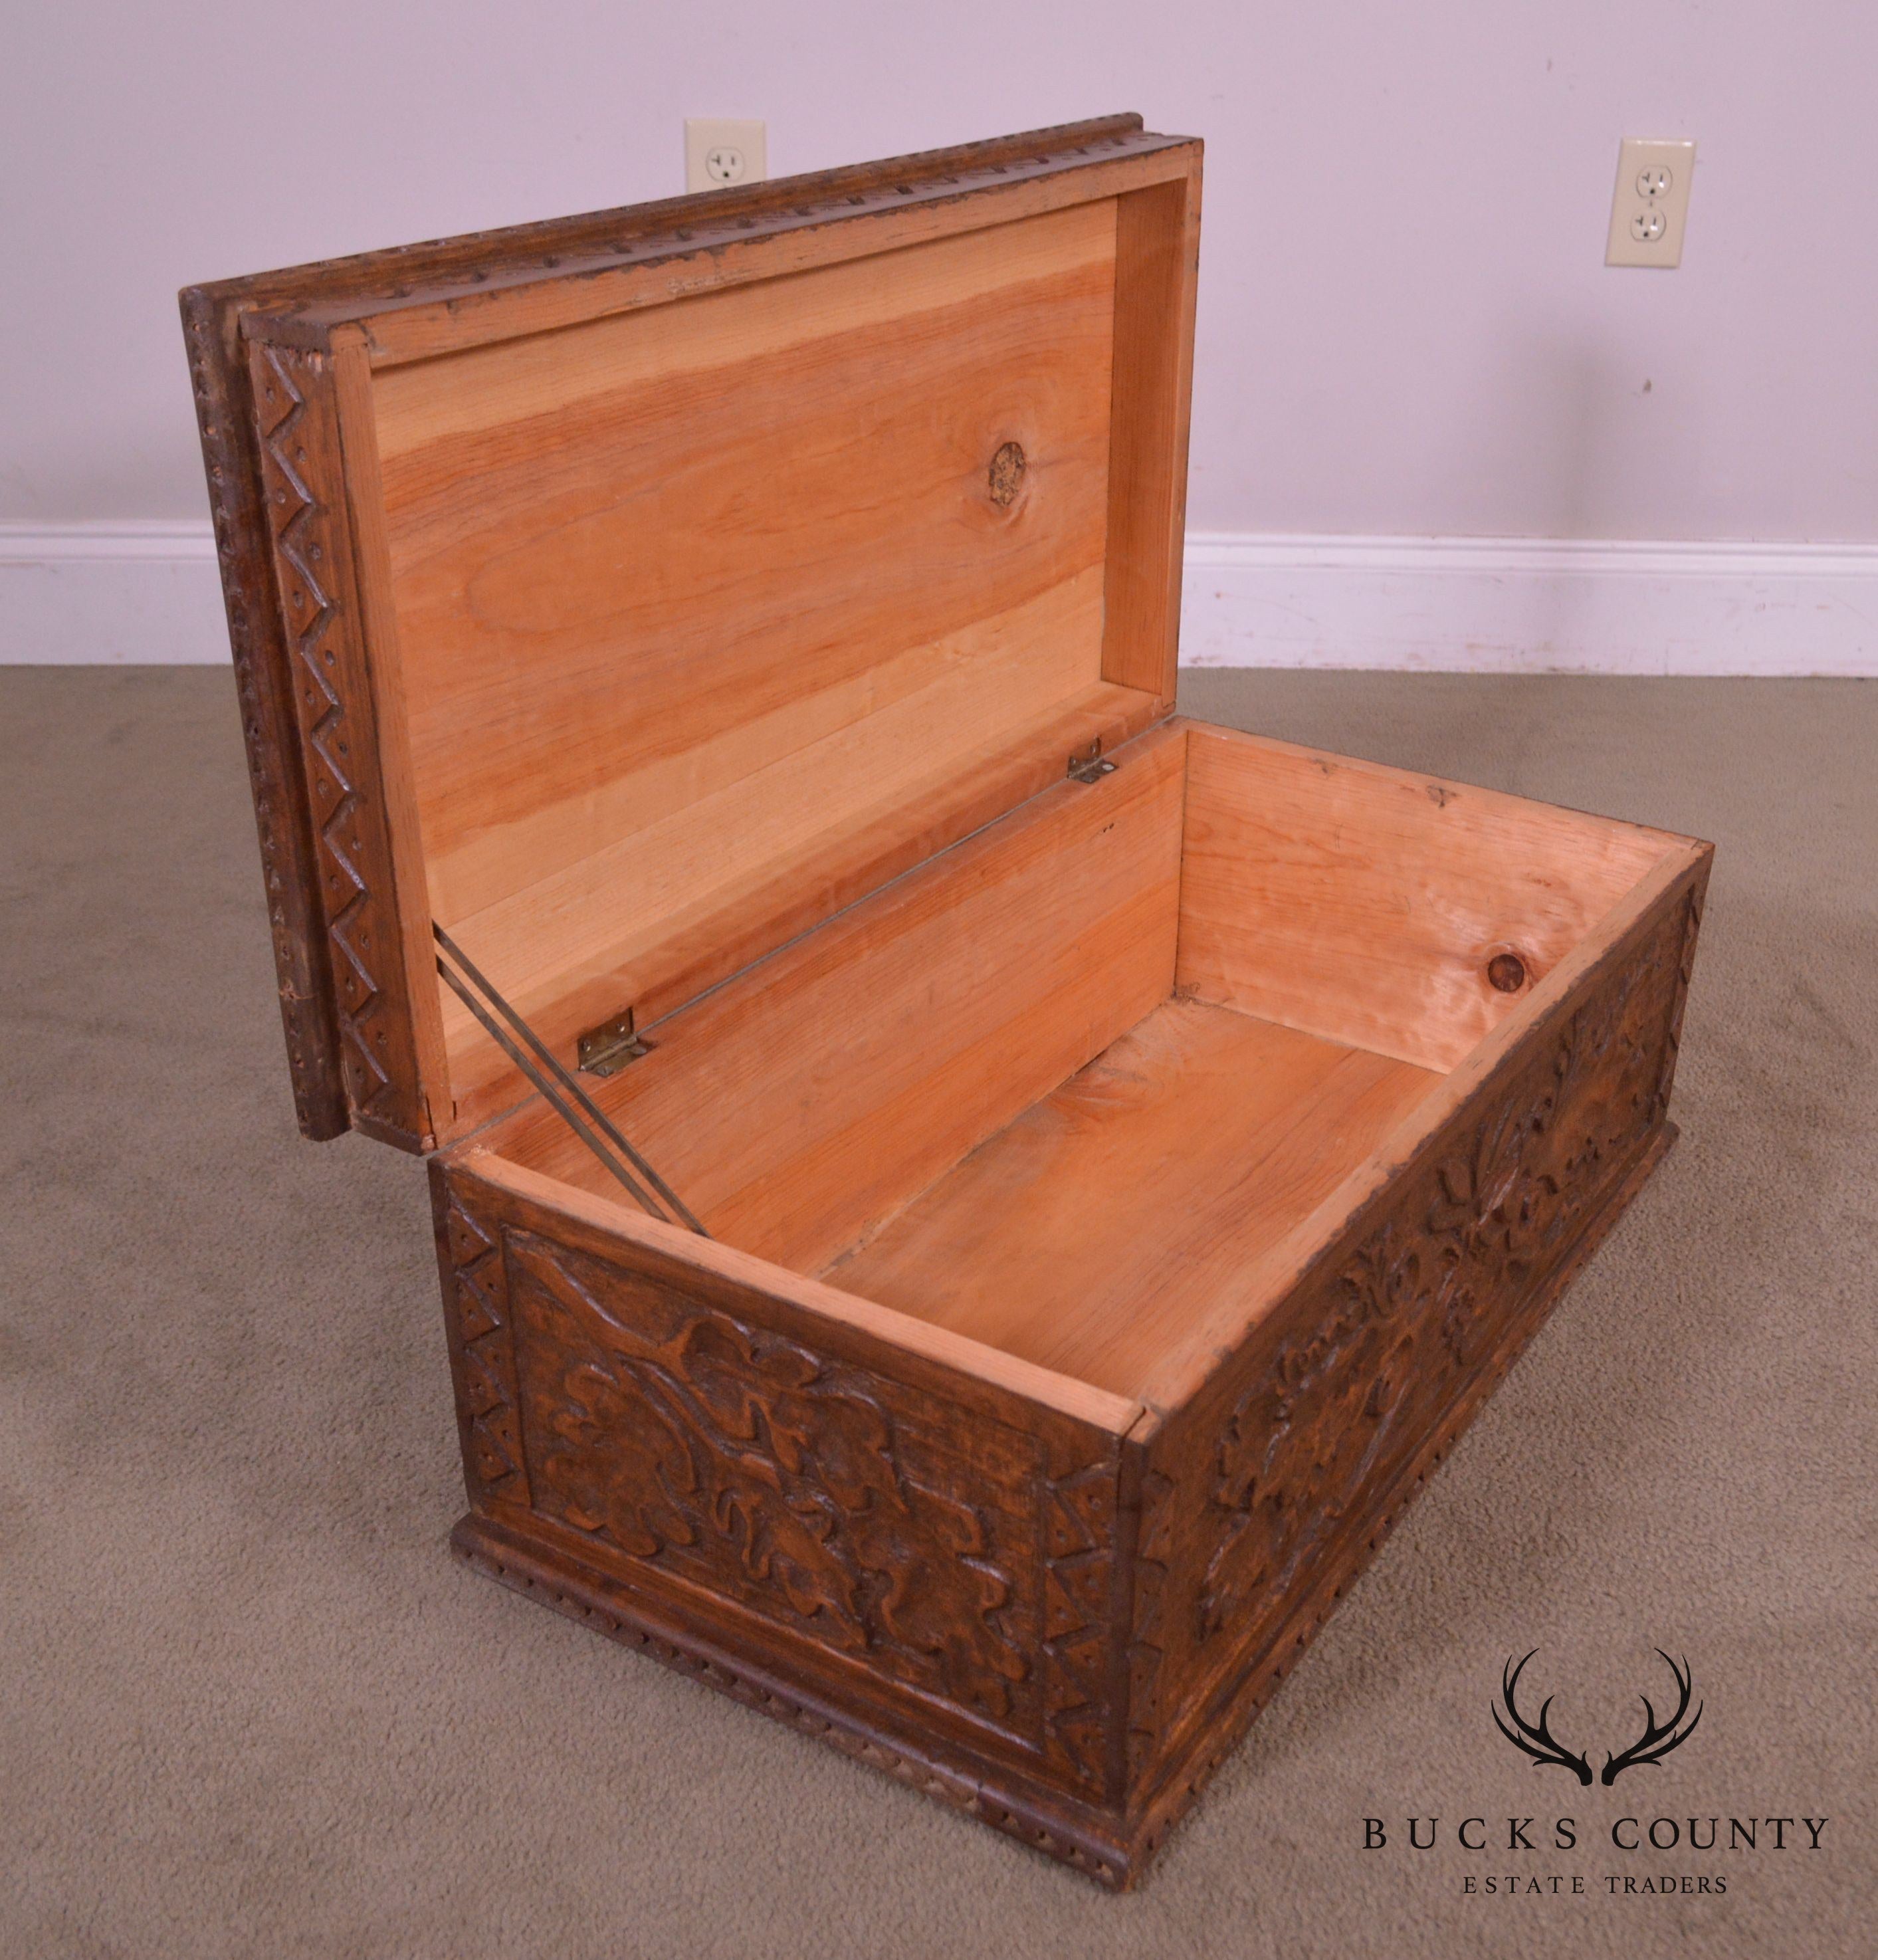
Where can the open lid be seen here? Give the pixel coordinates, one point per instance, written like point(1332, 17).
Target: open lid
point(646, 587)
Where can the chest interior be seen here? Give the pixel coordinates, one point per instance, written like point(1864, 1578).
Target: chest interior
point(1113, 1065)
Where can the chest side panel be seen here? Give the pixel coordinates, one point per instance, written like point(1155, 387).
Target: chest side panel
point(1264, 1495)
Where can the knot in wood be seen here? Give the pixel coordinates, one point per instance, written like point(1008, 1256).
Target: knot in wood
point(1006, 474)
point(1507, 971)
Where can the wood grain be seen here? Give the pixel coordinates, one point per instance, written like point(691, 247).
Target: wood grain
point(740, 234)
point(1157, 274)
point(674, 546)
point(813, 1095)
point(1365, 903)
point(1087, 1235)
point(688, 638)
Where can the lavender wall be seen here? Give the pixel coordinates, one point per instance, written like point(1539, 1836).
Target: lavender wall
point(1406, 327)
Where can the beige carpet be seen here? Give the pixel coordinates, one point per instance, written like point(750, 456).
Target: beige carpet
point(252, 1709)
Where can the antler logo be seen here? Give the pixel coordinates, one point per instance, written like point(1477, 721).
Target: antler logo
point(1536, 1740)
point(1658, 1738)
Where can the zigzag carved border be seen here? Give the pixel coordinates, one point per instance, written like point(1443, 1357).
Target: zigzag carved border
point(301, 476)
point(482, 1351)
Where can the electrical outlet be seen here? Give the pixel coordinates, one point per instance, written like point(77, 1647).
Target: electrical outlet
point(1651, 204)
point(720, 151)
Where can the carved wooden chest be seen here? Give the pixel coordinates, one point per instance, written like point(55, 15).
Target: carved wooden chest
point(966, 1204)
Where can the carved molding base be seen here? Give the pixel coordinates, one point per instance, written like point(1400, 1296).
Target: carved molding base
point(598, 1601)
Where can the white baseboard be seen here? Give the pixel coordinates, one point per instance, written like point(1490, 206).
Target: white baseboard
point(112, 593)
point(1529, 605)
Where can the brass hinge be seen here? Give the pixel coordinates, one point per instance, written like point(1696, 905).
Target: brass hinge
point(1086, 769)
point(606, 1050)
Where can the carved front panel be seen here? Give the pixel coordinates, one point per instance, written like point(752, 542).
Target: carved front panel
point(961, 1559)
point(1285, 1460)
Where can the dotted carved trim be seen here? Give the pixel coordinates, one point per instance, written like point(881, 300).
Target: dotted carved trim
point(1028, 1826)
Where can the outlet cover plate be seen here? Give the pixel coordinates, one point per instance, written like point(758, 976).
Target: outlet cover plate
point(721, 150)
point(1648, 213)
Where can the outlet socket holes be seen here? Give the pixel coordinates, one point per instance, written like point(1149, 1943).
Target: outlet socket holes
point(1649, 204)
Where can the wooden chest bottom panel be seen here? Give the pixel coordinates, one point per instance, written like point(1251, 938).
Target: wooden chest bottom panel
point(1124, 1202)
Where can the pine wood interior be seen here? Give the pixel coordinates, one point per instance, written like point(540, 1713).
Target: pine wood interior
point(1070, 1084)
point(707, 618)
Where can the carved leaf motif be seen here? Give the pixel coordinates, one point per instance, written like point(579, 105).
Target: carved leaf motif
point(1297, 1448)
point(742, 1459)
point(1420, 1305)
point(1495, 1209)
